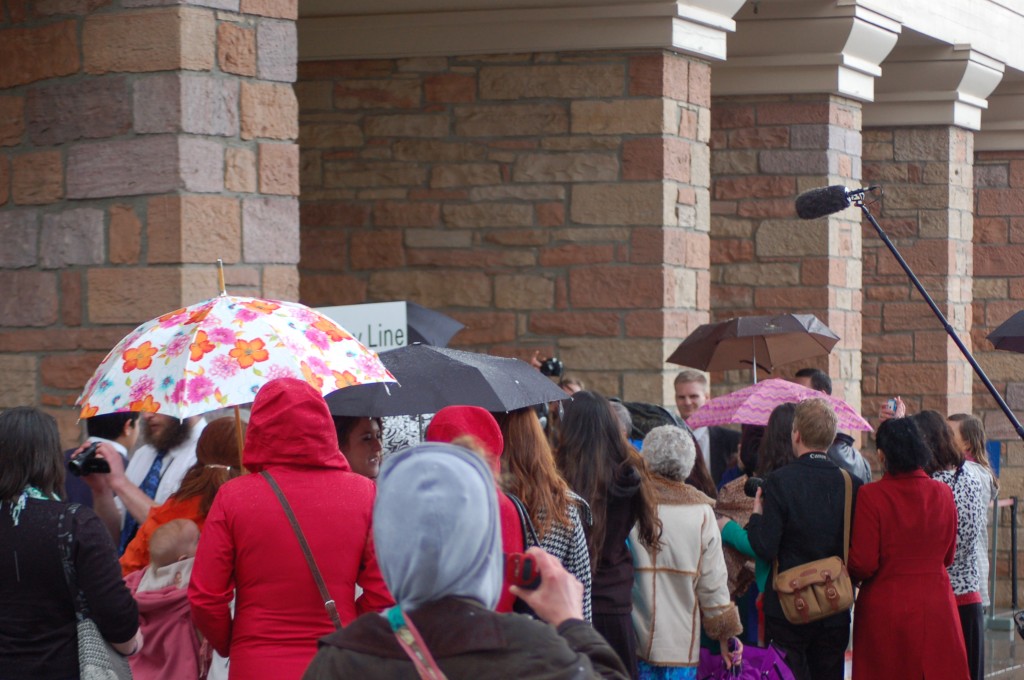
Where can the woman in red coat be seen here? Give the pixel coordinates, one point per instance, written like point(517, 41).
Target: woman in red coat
point(904, 535)
point(249, 551)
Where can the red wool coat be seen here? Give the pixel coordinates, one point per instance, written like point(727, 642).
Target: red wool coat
point(905, 622)
point(248, 549)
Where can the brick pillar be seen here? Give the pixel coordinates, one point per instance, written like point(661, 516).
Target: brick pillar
point(137, 146)
point(549, 201)
point(998, 295)
point(766, 150)
point(927, 177)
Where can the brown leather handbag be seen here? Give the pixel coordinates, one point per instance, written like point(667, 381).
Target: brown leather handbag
point(822, 588)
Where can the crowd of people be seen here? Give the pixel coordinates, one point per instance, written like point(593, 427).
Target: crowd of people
point(314, 552)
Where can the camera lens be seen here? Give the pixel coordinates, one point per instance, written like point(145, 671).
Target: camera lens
point(86, 462)
point(751, 486)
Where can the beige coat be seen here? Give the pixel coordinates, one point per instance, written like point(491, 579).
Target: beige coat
point(688, 569)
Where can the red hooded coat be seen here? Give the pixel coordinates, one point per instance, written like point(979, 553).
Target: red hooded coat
point(248, 549)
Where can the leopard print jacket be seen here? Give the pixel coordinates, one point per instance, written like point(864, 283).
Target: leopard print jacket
point(970, 494)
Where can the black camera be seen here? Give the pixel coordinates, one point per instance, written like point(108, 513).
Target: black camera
point(751, 486)
point(86, 463)
point(552, 367)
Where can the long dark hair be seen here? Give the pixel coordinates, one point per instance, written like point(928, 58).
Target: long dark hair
point(30, 453)
point(531, 471)
point(590, 453)
point(939, 438)
point(776, 447)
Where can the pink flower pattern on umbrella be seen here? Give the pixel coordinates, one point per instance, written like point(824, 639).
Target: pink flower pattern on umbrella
point(224, 367)
point(237, 345)
point(222, 335)
point(200, 388)
point(318, 338)
point(177, 345)
point(141, 388)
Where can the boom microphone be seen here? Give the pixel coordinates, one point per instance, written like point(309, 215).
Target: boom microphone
point(817, 203)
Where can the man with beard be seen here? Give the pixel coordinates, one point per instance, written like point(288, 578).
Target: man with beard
point(124, 497)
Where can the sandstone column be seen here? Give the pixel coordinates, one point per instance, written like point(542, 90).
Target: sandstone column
point(138, 144)
point(998, 290)
point(918, 145)
point(552, 200)
point(785, 121)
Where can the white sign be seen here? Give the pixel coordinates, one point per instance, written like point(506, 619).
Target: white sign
point(378, 325)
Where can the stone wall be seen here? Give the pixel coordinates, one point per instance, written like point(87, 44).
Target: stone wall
point(551, 202)
point(926, 210)
point(999, 294)
point(138, 144)
point(765, 152)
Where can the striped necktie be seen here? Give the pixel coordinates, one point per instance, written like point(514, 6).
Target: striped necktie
point(149, 486)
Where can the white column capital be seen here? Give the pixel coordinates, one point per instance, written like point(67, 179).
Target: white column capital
point(367, 29)
point(1002, 125)
point(803, 47)
point(934, 85)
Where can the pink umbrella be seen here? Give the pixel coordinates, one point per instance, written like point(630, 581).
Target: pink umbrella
point(754, 404)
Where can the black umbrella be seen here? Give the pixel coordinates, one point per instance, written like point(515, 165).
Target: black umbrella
point(1009, 335)
point(431, 378)
point(428, 326)
point(749, 341)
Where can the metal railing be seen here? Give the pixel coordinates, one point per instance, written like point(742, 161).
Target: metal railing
point(996, 505)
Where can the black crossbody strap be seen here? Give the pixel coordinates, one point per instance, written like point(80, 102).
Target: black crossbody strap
point(332, 610)
point(66, 539)
point(529, 532)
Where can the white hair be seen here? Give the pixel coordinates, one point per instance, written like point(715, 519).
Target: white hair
point(669, 452)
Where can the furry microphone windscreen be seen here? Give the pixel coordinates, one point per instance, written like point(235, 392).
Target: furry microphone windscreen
point(817, 203)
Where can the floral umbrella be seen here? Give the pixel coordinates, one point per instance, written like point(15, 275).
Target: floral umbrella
point(754, 404)
point(219, 352)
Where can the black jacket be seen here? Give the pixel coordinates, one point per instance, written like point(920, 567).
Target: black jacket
point(843, 454)
point(38, 639)
point(802, 521)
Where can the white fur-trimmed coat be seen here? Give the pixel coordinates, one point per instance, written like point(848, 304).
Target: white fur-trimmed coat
point(682, 584)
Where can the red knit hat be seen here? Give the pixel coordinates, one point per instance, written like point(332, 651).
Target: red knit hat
point(453, 422)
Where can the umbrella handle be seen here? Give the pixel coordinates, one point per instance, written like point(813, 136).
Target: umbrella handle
point(238, 433)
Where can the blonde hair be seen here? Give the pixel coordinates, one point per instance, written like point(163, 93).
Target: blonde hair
point(173, 541)
point(972, 432)
point(688, 375)
point(816, 421)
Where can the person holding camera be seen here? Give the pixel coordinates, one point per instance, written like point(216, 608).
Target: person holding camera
point(121, 430)
point(436, 530)
point(124, 495)
point(736, 503)
point(798, 518)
